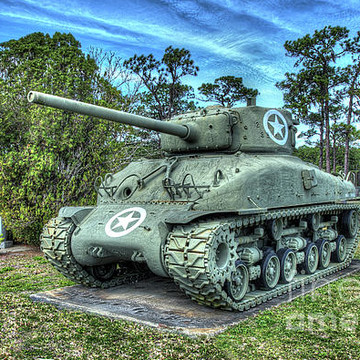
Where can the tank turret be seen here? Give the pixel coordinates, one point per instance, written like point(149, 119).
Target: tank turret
point(228, 213)
point(249, 129)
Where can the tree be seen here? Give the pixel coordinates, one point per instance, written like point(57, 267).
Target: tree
point(299, 97)
point(50, 158)
point(226, 91)
point(340, 134)
point(316, 82)
point(351, 91)
point(165, 94)
point(111, 71)
point(115, 77)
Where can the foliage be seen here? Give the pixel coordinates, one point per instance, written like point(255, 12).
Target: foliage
point(50, 158)
point(308, 153)
point(322, 325)
point(165, 94)
point(226, 91)
point(311, 154)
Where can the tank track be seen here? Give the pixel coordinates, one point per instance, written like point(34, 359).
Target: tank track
point(55, 244)
point(188, 259)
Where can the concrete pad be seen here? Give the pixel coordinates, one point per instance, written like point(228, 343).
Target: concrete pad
point(6, 244)
point(19, 249)
point(157, 302)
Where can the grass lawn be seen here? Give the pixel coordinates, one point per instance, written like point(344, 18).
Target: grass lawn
point(321, 325)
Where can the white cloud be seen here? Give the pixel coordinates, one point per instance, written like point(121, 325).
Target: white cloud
point(244, 38)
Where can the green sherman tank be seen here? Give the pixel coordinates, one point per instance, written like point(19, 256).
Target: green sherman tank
point(229, 214)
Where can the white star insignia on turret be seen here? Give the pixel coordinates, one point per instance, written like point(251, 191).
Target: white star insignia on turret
point(278, 128)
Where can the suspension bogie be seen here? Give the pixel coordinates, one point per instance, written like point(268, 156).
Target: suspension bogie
point(302, 245)
point(264, 256)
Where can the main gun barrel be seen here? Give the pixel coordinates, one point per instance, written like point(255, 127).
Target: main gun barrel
point(182, 131)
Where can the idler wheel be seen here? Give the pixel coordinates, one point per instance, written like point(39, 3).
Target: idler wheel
point(339, 254)
point(324, 249)
point(350, 223)
point(311, 259)
point(103, 272)
point(237, 287)
point(287, 265)
point(270, 271)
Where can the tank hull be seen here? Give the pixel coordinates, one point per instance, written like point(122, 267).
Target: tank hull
point(227, 183)
point(136, 229)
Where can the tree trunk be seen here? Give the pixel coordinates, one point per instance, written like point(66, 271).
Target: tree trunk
point(327, 137)
point(334, 155)
point(321, 145)
point(321, 141)
point(352, 87)
point(347, 140)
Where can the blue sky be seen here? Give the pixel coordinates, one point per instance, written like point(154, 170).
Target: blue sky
point(241, 38)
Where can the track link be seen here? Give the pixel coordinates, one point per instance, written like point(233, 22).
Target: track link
point(188, 250)
point(55, 243)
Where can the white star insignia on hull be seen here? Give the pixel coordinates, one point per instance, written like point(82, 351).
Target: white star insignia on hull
point(125, 222)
